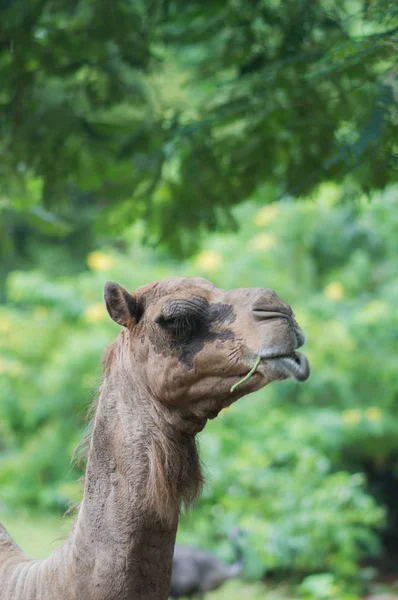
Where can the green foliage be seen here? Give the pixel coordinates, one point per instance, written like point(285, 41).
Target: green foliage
point(152, 121)
point(287, 464)
point(323, 587)
point(173, 111)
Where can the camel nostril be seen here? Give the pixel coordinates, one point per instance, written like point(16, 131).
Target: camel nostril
point(263, 315)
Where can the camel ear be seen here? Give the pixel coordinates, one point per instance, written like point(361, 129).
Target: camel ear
point(121, 306)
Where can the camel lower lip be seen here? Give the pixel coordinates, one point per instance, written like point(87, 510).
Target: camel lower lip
point(295, 365)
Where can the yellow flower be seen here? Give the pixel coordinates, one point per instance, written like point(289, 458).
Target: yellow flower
point(209, 260)
point(334, 291)
point(352, 416)
point(373, 414)
point(99, 261)
point(265, 215)
point(263, 241)
point(95, 313)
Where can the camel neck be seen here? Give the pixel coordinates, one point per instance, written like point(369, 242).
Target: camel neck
point(121, 546)
point(140, 467)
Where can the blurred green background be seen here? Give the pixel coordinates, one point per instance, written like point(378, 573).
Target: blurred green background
point(253, 143)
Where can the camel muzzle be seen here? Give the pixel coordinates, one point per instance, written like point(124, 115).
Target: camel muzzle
point(294, 364)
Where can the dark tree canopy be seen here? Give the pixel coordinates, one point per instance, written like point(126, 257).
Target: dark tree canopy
point(172, 112)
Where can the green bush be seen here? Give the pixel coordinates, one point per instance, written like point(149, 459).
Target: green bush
point(285, 464)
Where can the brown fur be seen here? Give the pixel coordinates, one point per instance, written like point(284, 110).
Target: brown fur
point(174, 471)
point(184, 343)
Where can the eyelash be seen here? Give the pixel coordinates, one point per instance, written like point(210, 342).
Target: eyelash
point(180, 325)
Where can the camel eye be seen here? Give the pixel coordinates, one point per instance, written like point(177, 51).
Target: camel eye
point(182, 318)
point(181, 325)
point(164, 321)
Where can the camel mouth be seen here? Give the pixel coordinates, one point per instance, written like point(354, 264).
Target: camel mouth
point(294, 365)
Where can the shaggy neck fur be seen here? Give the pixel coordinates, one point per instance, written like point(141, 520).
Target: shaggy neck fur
point(141, 467)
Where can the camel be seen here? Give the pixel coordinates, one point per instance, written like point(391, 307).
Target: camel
point(182, 347)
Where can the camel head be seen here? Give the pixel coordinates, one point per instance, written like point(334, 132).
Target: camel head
point(189, 342)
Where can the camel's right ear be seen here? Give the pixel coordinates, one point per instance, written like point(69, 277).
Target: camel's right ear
point(122, 307)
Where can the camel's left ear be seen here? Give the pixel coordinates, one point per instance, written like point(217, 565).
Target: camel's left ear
point(122, 307)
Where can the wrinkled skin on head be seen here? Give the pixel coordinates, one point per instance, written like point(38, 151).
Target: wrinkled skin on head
point(190, 342)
